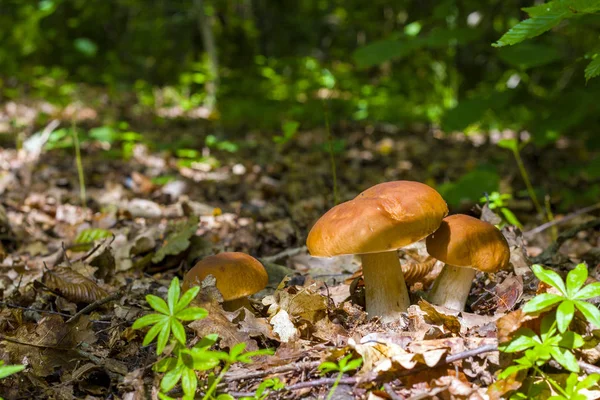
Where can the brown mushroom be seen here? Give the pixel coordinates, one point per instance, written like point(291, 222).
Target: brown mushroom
point(466, 245)
point(374, 225)
point(238, 276)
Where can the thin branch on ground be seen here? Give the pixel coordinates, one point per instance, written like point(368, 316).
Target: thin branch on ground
point(564, 219)
point(95, 305)
point(589, 368)
point(284, 254)
point(551, 250)
point(239, 375)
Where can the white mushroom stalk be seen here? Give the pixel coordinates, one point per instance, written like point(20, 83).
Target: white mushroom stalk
point(452, 286)
point(386, 295)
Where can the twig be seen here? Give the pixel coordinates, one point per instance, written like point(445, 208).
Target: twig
point(566, 218)
point(95, 305)
point(390, 391)
point(561, 239)
point(589, 368)
point(239, 375)
point(34, 309)
point(283, 254)
point(322, 382)
point(89, 254)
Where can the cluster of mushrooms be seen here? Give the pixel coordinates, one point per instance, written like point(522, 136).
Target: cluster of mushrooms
point(374, 225)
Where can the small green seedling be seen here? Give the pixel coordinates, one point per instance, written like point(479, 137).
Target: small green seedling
point(496, 201)
point(265, 387)
point(341, 367)
point(572, 296)
point(169, 317)
point(555, 341)
point(7, 370)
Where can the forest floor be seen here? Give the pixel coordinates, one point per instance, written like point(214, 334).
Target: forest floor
point(55, 259)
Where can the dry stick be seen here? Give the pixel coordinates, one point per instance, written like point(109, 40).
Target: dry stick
point(95, 305)
point(589, 368)
point(567, 218)
point(233, 376)
point(390, 391)
point(283, 254)
point(551, 250)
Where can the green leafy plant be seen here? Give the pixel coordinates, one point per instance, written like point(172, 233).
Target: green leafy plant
point(265, 388)
point(497, 201)
point(544, 17)
point(7, 370)
point(345, 364)
point(170, 315)
point(574, 387)
point(555, 340)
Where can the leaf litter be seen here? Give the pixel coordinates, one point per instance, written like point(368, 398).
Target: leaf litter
point(58, 258)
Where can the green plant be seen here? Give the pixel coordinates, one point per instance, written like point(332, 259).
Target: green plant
point(574, 387)
point(169, 316)
point(263, 390)
point(496, 201)
point(7, 370)
point(555, 340)
point(345, 364)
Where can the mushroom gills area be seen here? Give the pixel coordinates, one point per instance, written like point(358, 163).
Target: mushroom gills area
point(386, 295)
point(452, 286)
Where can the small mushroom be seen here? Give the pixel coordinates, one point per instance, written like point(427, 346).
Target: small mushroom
point(238, 276)
point(374, 225)
point(466, 245)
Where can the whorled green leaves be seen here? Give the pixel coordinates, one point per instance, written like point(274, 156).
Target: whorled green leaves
point(169, 316)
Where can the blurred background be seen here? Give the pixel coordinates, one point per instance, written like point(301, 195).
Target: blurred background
point(318, 99)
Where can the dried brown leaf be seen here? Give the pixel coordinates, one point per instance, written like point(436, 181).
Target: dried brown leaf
point(73, 286)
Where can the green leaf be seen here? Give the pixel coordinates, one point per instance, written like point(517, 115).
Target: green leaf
point(178, 241)
point(589, 311)
point(189, 381)
point(530, 28)
point(576, 278)
point(236, 350)
point(192, 314)
point(564, 315)
point(85, 46)
point(171, 378)
point(187, 298)
point(204, 360)
point(571, 340)
point(178, 330)
point(327, 367)
point(549, 277)
point(588, 382)
point(207, 341)
point(593, 68)
point(173, 295)
point(354, 364)
point(524, 339)
point(158, 304)
point(565, 358)
point(146, 320)
point(151, 334)
point(541, 302)
point(163, 337)
point(164, 365)
point(7, 370)
point(589, 291)
point(513, 369)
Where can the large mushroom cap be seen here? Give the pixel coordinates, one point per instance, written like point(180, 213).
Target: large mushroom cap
point(238, 275)
point(383, 218)
point(465, 241)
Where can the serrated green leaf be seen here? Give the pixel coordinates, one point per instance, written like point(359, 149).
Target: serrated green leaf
point(158, 304)
point(530, 28)
point(541, 302)
point(178, 330)
point(178, 241)
point(593, 68)
point(564, 315)
point(173, 295)
point(549, 277)
point(589, 311)
point(187, 298)
point(576, 278)
point(148, 319)
point(588, 292)
point(192, 314)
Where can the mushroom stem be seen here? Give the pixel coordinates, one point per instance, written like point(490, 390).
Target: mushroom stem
point(233, 305)
point(452, 286)
point(386, 295)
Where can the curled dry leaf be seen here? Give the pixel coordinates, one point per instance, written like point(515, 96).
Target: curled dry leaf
point(73, 286)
